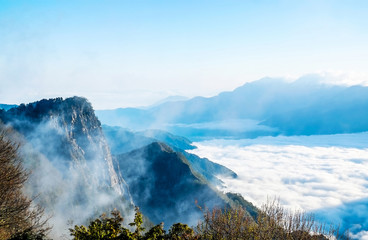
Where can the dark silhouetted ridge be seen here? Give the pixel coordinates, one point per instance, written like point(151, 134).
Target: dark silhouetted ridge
point(165, 186)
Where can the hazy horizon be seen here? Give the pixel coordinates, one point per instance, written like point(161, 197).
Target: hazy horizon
point(157, 98)
point(129, 53)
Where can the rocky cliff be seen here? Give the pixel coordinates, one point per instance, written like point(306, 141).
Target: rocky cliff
point(72, 168)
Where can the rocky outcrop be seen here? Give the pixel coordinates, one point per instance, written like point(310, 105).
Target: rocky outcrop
point(72, 167)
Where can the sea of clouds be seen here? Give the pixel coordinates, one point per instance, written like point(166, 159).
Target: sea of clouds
point(327, 174)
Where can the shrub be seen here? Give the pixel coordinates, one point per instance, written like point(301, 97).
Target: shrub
point(273, 222)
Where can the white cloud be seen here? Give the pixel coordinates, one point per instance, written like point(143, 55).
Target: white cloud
point(344, 78)
point(306, 172)
point(363, 235)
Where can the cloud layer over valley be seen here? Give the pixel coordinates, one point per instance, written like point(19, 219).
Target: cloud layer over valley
point(325, 173)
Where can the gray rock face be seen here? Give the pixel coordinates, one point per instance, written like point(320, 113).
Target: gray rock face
point(72, 167)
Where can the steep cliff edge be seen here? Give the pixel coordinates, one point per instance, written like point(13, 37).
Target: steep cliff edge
point(71, 164)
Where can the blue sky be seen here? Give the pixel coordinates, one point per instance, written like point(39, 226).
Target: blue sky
point(131, 53)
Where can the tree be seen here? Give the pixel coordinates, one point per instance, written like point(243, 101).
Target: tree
point(228, 223)
point(138, 221)
point(273, 222)
point(156, 233)
point(180, 231)
point(18, 216)
point(104, 228)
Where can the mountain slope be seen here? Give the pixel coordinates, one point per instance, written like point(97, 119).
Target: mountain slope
point(165, 186)
point(122, 140)
point(346, 111)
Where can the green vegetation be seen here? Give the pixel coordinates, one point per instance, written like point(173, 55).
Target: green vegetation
point(111, 228)
point(272, 223)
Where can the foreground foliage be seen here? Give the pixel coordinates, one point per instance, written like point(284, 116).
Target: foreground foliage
point(19, 218)
point(111, 228)
point(272, 223)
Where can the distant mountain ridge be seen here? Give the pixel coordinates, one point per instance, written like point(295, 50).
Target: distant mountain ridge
point(7, 106)
point(123, 140)
point(264, 107)
point(170, 99)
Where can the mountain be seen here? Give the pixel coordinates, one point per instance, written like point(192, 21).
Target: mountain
point(264, 107)
point(170, 99)
point(165, 185)
point(76, 177)
point(7, 106)
point(345, 111)
point(122, 140)
point(208, 169)
point(72, 168)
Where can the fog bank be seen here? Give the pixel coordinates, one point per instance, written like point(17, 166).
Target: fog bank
point(315, 173)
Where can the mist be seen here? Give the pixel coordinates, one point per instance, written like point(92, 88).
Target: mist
point(327, 175)
point(73, 174)
point(73, 191)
